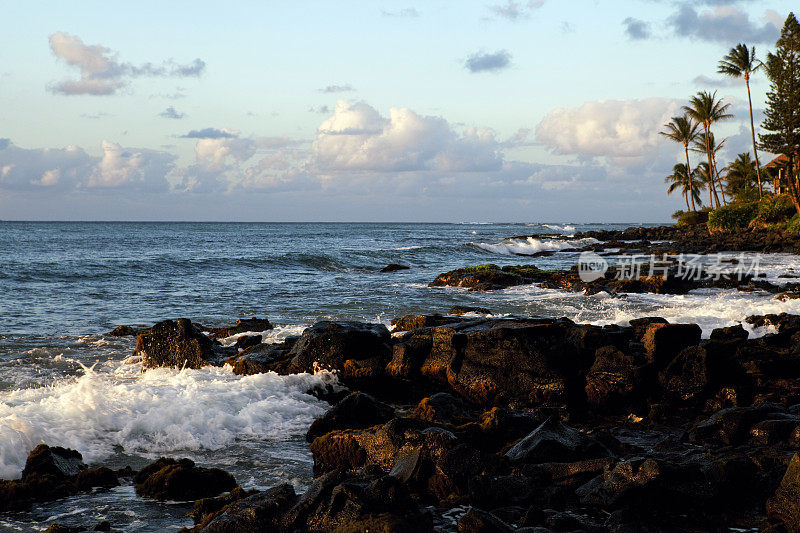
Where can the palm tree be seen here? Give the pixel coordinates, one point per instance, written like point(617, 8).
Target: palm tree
point(707, 110)
point(741, 176)
point(682, 130)
point(681, 179)
point(741, 62)
point(699, 146)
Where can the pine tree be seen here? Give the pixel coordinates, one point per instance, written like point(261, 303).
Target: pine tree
point(782, 115)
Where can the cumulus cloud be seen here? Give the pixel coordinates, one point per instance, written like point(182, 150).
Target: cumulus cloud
point(488, 62)
point(71, 167)
point(636, 29)
point(101, 72)
point(358, 138)
point(625, 131)
point(337, 89)
point(724, 23)
point(512, 10)
point(172, 113)
point(211, 133)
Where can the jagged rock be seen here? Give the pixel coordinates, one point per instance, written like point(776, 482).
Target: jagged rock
point(464, 309)
point(663, 342)
point(554, 441)
point(784, 507)
point(358, 410)
point(96, 477)
point(243, 325)
point(53, 461)
point(254, 512)
point(358, 351)
point(177, 344)
point(732, 426)
point(127, 331)
point(640, 325)
point(264, 358)
point(412, 322)
point(479, 521)
point(614, 378)
point(247, 341)
point(733, 333)
point(181, 480)
point(443, 408)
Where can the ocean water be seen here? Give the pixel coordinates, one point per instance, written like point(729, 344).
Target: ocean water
point(62, 285)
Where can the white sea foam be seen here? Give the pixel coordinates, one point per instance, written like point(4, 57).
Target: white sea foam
point(532, 245)
point(271, 336)
point(566, 229)
point(159, 411)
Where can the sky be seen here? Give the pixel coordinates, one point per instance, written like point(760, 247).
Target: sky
point(505, 111)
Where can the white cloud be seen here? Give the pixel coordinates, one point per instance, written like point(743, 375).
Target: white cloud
point(626, 131)
point(101, 73)
point(131, 168)
point(357, 137)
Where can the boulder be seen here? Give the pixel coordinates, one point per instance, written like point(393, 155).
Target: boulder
point(554, 441)
point(464, 309)
point(479, 521)
point(262, 358)
point(61, 463)
point(261, 511)
point(243, 325)
point(731, 426)
point(357, 350)
point(443, 408)
point(640, 325)
point(730, 334)
point(181, 480)
point(613, 379)
point(179, 344)
point(394, 267)
point(663, 342)
point(127, 331)
point(358, 410)
point(784, 507)
point(412, 322)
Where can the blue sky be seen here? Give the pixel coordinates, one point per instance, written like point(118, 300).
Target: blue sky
point(436, 111)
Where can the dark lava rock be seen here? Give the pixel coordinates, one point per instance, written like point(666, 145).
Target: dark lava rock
point(443, 408)
point(356, 350)
point(394, 267)
point(127, 331)
point(358, 410)
point(246, 341)
point(554, 441)
point(53, 461)
point(262, 358)
point(640, 325)
point(412, 322)
point(96, 477)
point(181, 480)
point(478, 521)
point(731, 426)
point(176, 344)
point(243, 325)
point(783, 509)
point(613, 379)
point(255, 512)
point(732, 333)
point(663, 342)
point(464, 309)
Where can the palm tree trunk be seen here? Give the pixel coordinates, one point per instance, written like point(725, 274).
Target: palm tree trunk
point(719, 180)
point(712, 188)
point(689, 174)
point(753, 135)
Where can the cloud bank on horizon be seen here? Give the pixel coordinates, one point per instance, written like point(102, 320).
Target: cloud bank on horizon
point(605, 152)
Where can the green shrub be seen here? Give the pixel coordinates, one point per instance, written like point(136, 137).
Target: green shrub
point(732, 216)
point(793, 227)
point(482, 268)
point(773, 209)
point(678, 214)
point(691, 218)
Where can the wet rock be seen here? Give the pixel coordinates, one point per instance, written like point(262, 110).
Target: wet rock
point(246, 341)
point(663, 342)
point(478, 521)
point(264, 358)
point(358, 410)
point(358, 351)
point(554, 441)
point(443, 408)
point(613, 379)
point(394, 267)
point(176, 344)
point(730, 334)
point(245, 513)
point(412, 322)
point(500, 427)
point(53, 461)
point(127, 331)
point(181, 480)
point(640, 325)
point(783, 509)
point(243, 325)
point(731, 426)
point(464, 309)
point(96, 477)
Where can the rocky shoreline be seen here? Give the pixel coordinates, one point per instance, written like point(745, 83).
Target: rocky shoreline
point(481, 424)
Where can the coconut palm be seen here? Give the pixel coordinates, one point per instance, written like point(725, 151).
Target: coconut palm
point(681, 130)
point(741, 176)
point(707, 110)
point(699, 146)
point(683, 180)
point(741, 62)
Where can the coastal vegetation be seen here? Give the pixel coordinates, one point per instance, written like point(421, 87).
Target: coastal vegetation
point(743, 193)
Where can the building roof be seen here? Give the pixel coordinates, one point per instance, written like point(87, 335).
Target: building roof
point(779, 161)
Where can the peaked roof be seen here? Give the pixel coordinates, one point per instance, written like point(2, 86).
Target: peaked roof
point(777, 162)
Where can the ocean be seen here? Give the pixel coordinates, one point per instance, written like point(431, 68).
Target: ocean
point(63, 382)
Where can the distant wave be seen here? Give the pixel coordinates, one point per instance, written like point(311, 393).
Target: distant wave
point(531, 245)
point(566, 229)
